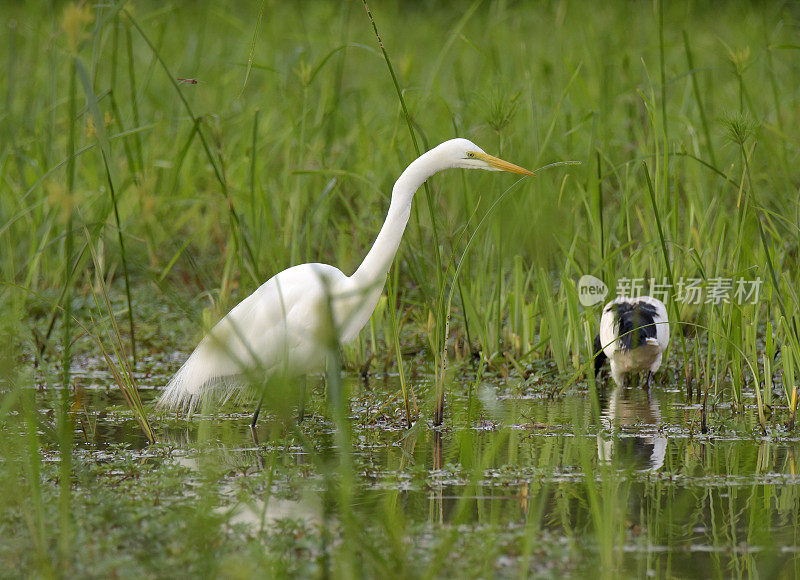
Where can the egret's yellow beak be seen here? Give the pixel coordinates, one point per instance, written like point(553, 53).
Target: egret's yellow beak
point(502, 165)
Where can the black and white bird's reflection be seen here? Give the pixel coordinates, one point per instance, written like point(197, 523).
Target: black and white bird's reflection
point(634, 333)
point(631, 433)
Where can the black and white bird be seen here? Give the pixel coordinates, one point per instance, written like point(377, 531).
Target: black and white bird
point(634, 333)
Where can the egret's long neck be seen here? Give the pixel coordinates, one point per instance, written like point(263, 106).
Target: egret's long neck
point(372, 271)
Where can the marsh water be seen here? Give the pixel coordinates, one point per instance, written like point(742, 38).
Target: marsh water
point(517, 481)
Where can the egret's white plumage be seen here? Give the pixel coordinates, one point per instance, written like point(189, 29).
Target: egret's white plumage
point(284, 327)
point(634, 333)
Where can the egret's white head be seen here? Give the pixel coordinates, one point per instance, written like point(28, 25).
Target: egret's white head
point(464, 154)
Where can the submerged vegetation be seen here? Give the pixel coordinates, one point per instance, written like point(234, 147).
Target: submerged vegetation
point(159, 162)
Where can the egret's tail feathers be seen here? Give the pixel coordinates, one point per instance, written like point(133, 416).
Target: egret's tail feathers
point(196, 382)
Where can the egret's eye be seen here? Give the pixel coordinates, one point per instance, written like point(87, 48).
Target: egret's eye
point(470, 154)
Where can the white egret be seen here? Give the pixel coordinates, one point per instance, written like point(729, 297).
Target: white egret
point(283, 328)
point(634, 333)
